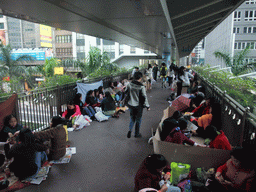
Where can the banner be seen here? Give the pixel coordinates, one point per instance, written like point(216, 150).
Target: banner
point(45, 36)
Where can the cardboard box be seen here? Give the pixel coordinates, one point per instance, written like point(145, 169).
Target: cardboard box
point(195, 156)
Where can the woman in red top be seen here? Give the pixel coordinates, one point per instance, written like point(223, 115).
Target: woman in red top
point(72, 111)
point(203, 108)
point(218, 138)
point(238, 173)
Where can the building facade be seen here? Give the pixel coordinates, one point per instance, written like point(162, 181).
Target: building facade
point(233, 35)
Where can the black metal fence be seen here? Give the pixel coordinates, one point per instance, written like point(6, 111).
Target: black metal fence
point(238, 123)
point(36, 108)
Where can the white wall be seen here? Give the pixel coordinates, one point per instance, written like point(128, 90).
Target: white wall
point(220, 39)
point(128, 62)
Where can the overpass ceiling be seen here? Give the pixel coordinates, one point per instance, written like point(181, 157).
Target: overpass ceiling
point(154, 25)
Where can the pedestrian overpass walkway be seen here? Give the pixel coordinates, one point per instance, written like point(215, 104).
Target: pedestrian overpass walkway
point(105, 159)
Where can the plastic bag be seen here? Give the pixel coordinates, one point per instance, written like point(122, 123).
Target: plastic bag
point(97, 109)
point(179, 171)
point(100, 117)
point(81, 122)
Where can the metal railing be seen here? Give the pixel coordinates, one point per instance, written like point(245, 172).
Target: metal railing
point(238, 123)
point(35, 109)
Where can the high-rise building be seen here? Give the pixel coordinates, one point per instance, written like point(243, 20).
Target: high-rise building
point(22, 34)
point(234, 34)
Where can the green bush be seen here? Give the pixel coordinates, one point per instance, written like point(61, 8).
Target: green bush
point(58, 80)
point(237, 88)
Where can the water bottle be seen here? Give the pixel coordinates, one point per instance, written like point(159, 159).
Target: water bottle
point(188, 187)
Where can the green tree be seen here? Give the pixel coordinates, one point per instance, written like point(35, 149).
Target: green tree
point(15, 68)
point(237, 63)
point(47, 69)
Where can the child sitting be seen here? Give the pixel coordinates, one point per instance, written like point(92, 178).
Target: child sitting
point(11, 128)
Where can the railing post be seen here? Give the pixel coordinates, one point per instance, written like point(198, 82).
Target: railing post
point(17, 114)
point(243, 125)
point(58, 103)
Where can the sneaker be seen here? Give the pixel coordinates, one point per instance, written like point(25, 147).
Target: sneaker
point(138, 136)
point(129, 134)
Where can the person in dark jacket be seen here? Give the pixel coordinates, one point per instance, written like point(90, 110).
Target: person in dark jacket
point(169, 123)
point(155, 70)
point(57, 135)
point(137, 101)
point(85, 110)
point(11, 128)
point(109, 107)
point(150, 173)
point(25, 155)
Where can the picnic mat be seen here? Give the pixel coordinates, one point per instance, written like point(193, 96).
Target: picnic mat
point(15, 184)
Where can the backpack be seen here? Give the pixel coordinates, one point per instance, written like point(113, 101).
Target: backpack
point(163, 71)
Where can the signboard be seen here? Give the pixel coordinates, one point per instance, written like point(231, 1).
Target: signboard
point(58, 70)
point(45, 36)
point(37, 55)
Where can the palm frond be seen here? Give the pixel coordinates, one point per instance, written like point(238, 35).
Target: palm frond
point(223, 56)
point(240, 56)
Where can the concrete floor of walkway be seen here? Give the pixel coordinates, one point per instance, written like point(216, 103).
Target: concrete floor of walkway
point(106, 160)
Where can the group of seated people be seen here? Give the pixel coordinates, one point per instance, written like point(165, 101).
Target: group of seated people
point(236, 175)
point(108, 99)
point(29, 149)
point(205, 113)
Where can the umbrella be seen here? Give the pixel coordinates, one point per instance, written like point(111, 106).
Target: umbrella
point(181, 103)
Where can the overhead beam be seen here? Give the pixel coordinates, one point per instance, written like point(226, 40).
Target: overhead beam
point(188, 38)
point(189, 34)
point(178, 34)
point(196, 9)
point(212, 14)
point(198, 26)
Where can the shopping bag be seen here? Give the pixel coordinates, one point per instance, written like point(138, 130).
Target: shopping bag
point(179, 171)
point(97, 109)
point(81, 122)
point(100, 117)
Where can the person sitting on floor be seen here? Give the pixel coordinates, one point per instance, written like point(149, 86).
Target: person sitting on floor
point(218, 138)
point(57, 135)
point(196, 100)
point(85, 110)
point(71, 112)
point(108, 106)
point(150, 173)
point(177, 134)
point(237, 174)
point(101, 94)
point(203, 108)
point(169, 123)
point(11, 128)
point(96, 96)
point(28, 155)
point(91, 99)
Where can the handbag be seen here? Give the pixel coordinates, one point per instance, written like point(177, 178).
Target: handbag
point(179, 171)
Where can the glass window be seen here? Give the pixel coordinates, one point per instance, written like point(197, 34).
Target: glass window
point(249, 29)
point(251, 13)
point(246, 14)
point(234, 30)
point(243, 45)
point(235, 47)
point(254, 29)
point(235, 14)
point(237, 30)
point(239, 14)
point(1, 25)
point(245, 29)
point(239, 45)
point(252, 45)
point(62, 39)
